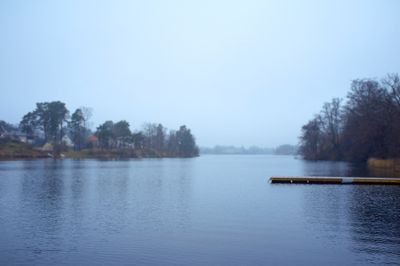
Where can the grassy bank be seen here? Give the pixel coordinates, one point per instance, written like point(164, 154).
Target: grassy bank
point(388, 167)
point(10, 149)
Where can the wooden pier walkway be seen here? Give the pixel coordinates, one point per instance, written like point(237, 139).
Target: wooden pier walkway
point(335, 180)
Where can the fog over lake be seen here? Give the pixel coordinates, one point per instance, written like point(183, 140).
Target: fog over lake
point(235, 72)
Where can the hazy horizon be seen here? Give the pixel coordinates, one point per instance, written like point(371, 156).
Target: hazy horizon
point(235, 72)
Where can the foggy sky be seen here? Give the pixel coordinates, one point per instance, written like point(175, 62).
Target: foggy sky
point(235, 72)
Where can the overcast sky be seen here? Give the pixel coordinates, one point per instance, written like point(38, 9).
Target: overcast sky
point(235, 72)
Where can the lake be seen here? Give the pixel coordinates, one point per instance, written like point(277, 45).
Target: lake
point(210, 210)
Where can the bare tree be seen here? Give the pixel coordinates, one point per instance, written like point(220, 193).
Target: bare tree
point(87, 113)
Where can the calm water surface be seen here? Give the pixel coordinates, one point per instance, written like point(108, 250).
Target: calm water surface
point(211, 210)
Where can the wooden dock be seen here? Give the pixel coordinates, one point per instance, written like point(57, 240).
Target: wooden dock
point(335, 180)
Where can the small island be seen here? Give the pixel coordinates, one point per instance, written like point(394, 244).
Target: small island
point(50, 131)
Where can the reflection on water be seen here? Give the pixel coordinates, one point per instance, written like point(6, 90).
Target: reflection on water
point(327, 168)
point(363, 218)
point(374, 214)
point(207, 210)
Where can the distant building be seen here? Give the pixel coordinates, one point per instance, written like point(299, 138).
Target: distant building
point(67, 141)
point(93, 141)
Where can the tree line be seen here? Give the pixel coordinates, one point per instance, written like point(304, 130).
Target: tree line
point(366, 125)
point(53, 121)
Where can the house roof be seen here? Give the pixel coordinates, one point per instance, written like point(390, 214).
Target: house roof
point(93, 138)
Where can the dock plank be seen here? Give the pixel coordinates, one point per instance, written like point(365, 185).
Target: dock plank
point(335, 180)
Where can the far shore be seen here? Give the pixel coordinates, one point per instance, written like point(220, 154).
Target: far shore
point(20, 151)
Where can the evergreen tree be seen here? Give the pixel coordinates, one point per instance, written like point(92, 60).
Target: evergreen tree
point(77, 129)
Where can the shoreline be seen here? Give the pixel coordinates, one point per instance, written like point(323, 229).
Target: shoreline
point(112, 154)
point(391, 165)
point(15, 150)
